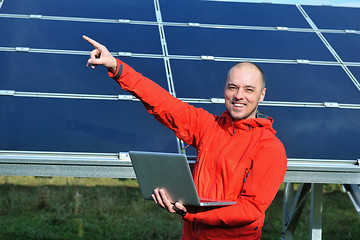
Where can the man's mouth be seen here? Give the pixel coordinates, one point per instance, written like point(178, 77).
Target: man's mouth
point(238, 105)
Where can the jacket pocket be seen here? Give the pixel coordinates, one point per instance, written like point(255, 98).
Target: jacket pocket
point(248, 179)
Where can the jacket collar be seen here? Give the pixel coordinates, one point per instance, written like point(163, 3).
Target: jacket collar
point(261, 120)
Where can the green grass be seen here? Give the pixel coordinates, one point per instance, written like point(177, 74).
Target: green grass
point(90, 208)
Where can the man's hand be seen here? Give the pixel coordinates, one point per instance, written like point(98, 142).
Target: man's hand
point(100, 56)
point(162, 200)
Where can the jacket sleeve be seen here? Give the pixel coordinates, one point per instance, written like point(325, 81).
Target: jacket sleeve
point(180, 117)
point(262, 184)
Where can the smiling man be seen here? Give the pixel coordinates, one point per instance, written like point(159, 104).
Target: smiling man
point(239, 158)
point(244, 90)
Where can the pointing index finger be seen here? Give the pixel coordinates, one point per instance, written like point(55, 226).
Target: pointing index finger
point(92, 42)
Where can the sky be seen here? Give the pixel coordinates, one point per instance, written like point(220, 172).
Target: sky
point(348, 3)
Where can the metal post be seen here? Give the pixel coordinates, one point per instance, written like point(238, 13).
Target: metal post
point(316, 211)
point(293, 213)
point(289, 194)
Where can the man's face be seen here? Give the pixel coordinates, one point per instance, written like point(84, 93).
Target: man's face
point(243, 91)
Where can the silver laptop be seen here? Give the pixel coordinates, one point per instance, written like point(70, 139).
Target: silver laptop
point(170, 172)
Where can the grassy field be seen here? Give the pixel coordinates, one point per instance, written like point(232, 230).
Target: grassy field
point(90, 208)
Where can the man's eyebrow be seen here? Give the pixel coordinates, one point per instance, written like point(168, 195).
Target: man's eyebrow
point(246, 86)
point(231, 84)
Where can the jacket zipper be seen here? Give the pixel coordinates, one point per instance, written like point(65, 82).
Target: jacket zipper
point(247, 172)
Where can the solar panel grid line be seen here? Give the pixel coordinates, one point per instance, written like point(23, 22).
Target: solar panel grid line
point(169, 76)
point(188, 100)
point(324, 63)
point(170, 56)
point(11, 15)
point(345, 31)
point(167, 66)
point(76, 19)
point(76, 52)
point(255, 60)
point(67, 95)
point(241, 27)
point(352, 64)
point(203, 25)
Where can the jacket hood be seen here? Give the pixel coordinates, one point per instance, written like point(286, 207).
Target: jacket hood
point(261, 120)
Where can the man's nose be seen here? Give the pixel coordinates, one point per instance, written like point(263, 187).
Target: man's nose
point(239, 95)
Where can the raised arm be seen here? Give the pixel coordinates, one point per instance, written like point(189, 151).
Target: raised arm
point(184, 119)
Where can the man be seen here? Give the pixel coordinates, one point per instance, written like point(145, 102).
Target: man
point(238, 156)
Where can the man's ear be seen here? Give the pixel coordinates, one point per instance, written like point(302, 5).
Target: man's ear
point(262, 96)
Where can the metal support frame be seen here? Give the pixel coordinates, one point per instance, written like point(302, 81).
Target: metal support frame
point(353, 190)
point(309, 173)
point(293, 207)
point(316, 211)
point(312, 174)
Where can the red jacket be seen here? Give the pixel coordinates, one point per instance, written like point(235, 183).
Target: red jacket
point(237, 160)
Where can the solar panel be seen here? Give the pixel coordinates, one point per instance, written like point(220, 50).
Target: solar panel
point(47, 34)
point(68, 73)
point(52, 102)
point(84, 8)
point(309, 83)
point(345, 45)
point(205, 79)
point(355, 71)
point(245, 43)
point(324, 133)
point(72, 125)
point(230, 13)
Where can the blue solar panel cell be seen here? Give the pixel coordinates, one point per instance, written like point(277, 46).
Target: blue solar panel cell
point(345, 45)
point(68, 73)
point(112, 9)
point(327, 17)
point(245, 43)
point(80, 126)
point(67, 35)
point(231, 13)
point(356, 72)
point(199, 79)
point(285, 82)
point(323, 133)
point(309, 83)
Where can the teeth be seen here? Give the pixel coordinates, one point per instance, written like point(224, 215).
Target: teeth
point(239, 104)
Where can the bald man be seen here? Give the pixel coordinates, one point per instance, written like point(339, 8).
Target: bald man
point(239, 158)
point(244, 90)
